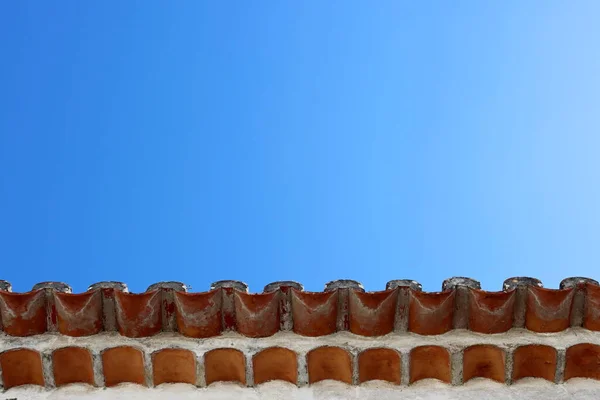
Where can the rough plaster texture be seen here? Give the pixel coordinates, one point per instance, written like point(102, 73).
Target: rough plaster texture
point(479, 389)
point(455, 340)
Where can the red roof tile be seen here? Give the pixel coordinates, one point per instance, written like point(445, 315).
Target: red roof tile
point(21, 367)
point(483, 361)
point(583, 361)
point(430, 362)
point(225, 365)
point(284, 307)
point(72, 365)
point(275, 363)
point(174, 366)
point(123, 364)
point(402, 335)
point(328, 362)
point(379, 364)
point(535, 361)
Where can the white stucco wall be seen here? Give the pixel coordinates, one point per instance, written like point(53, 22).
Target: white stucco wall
point(328, 390)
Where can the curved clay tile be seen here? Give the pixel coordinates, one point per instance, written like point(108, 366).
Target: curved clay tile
point(431, 313)
point(379, 364)
point(225, 365)
point(138, 315)
point(591, 320)
point(491, 312)
point(583, 361)
point(535, 361)
point(174, 366)
point(329, 363)
point(430, 362)
point(198, 315)
point(23, 314)
point(21, 367)
point(72, 365)
point(123, 364)
point(257, 315)
point(548, 310)
point(314, 314)
point(275, 363)
point(483, 361)
point(372, 313)
point(79, 314)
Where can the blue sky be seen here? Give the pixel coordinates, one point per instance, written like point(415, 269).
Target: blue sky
point(262, 141)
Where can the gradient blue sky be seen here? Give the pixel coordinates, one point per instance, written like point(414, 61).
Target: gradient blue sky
point(313, 140)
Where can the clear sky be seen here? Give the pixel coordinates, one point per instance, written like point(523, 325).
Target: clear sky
point(143, 141)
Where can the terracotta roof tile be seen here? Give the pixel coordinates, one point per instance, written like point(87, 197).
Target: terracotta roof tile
point(199, 314)
point(21, 367)
point(343, 306)
point(491, 312)
point(72, 365)
point(107, 336)
point(314, 314)
point(372, 314)
point(430, 362)
point(483, 361)
point(257, 315)
point(123, 364)
point(329, 362)
point(174, 366)
point(379, 364)
point(548, 310)
point(138, 315)
point(23, 314)
point(583, 361)
point(592, 308)
point(275, 363)
point(225, 365)
point(431, 313)
point(79, 314)
point(535, 361)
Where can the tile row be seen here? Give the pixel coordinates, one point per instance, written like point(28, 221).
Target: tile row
point(126, 364)
point(345, 307)
point(447, 284)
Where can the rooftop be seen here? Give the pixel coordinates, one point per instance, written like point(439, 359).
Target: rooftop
point(402, 335)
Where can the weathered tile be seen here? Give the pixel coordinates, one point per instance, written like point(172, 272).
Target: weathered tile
point(483, 361)
point(491, 312)
point(372, 313)
point(275, 363)
point(379, 364)
point(79, 314)
point(548, 310)
point(21, 367)
point(123, 364)
point(314, 314)
point(583, 361)
point(225, 365)
point(430, 362)
point(591, 318)
point(138, 315)
point(23, 314)
point(431, 313)
point(199, 315)
point(72, 365)
point(535, 361)
point(174, 366)
point(329, 363)
point(257, 315)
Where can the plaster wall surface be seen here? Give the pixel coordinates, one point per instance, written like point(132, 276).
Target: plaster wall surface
point(328, 390)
